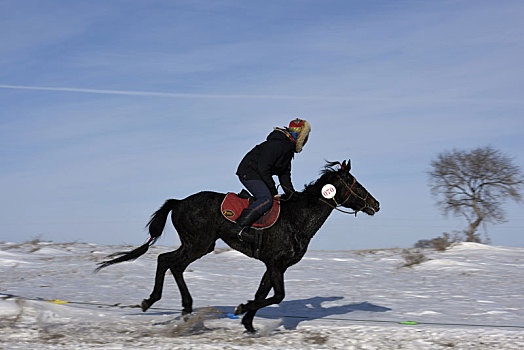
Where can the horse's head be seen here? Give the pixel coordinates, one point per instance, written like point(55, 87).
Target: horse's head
point(348, 192)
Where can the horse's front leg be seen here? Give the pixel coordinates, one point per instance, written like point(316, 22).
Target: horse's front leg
point(272, 279)
point(262, 292)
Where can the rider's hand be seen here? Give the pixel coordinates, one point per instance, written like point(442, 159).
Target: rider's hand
point(284, 197)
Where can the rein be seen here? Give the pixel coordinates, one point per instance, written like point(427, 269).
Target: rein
point(348, 194)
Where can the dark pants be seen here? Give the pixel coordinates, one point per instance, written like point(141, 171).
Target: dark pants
point(263, 198)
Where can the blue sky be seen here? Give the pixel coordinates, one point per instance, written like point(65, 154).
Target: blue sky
point(107, 108)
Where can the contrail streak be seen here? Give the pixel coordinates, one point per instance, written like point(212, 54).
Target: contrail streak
point(427, 99)
point(157, 94)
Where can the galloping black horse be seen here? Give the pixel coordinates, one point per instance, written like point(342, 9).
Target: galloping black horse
point(199, 223)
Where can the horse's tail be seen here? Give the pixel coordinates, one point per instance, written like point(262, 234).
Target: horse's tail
point(156, 227)
point(159, 218)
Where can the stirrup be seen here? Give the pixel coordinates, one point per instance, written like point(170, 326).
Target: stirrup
point(246, 235)
point(240, 233)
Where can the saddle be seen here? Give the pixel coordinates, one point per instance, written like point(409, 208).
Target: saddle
point(233, 204)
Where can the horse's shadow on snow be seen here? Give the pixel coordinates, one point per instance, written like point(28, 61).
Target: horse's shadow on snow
point(294, 312)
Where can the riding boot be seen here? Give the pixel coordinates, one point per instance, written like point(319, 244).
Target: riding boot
point(244, 222)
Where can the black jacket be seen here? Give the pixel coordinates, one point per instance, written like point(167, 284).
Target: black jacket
point(271, 157)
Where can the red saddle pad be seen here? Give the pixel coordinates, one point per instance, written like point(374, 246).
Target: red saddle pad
point(232, 206)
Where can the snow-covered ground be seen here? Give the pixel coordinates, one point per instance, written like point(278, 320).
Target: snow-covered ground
point(469, 297)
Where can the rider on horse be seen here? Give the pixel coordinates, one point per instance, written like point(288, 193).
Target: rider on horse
point(271, 157)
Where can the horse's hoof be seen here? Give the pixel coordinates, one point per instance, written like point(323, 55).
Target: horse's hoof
point(239, 310)
point(145, 305)
point(186, 313)
point(250, 331)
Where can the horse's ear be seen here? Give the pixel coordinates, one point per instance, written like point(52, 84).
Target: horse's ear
point(343, 165)
point(348, 165)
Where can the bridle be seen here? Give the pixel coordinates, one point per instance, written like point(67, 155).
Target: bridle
point(346, 197)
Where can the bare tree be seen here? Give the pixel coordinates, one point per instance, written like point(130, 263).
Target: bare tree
point(474, 185)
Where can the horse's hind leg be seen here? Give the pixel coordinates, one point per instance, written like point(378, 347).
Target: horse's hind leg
point(177, 269)
point(187, 300)
point(163, 262)
point(177, 262)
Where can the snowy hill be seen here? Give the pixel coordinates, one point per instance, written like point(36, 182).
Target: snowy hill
point(469, 297)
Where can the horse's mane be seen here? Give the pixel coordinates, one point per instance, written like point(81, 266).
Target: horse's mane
point(312, 189)
point(329, 167)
